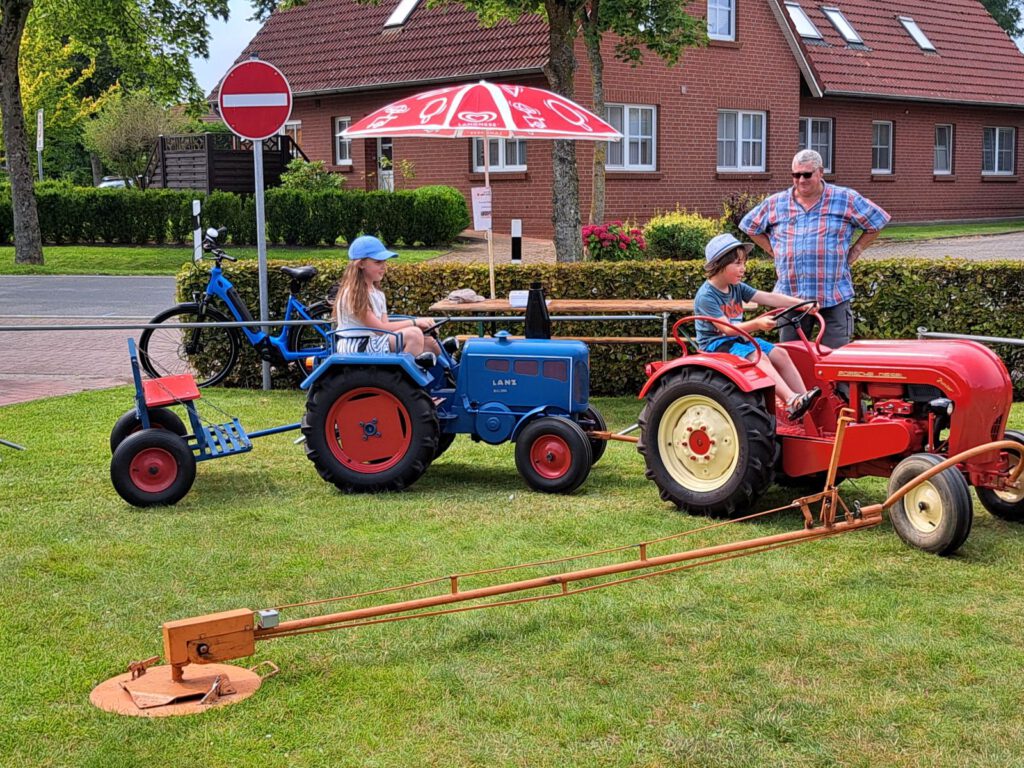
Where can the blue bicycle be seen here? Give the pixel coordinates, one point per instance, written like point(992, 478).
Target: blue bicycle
point(209, 354)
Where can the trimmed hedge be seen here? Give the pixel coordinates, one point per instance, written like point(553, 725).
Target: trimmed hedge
point(429, 215)
point(680, 235)
point(984, 298)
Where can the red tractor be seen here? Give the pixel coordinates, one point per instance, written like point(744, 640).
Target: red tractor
point(714, 436)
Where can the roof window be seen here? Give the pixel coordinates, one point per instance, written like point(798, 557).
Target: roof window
point(843, 27)
point(804, 26)
point(402, 13)
point(915, 32)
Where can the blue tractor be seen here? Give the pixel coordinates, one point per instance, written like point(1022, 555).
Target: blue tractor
point(374, 422)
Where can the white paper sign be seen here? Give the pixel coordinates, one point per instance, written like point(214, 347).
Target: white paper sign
point(481, 207)
point(39, 131)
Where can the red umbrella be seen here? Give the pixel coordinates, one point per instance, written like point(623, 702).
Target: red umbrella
point(488, 111)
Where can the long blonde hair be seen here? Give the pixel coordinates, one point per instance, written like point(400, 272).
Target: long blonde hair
point(353, 291)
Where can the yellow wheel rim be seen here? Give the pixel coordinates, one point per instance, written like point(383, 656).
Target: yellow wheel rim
point(924, 508)
point(698, 443)
point(1010, 495)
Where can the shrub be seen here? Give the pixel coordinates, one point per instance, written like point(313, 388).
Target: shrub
point(310, 177)
point(439, 214)
point(614, 242)
point(680, 235)
point(6, 216)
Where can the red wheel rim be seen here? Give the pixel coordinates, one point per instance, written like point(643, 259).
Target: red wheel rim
point(153, 470)
point(550, 456)
point(368, 430)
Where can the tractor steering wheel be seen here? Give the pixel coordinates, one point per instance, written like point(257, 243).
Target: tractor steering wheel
point(794, 315)
point(432, 330)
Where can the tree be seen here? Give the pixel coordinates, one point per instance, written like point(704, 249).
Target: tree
point(150, 39)
point(662, 27)
point(1007, 14)
point(123, 134)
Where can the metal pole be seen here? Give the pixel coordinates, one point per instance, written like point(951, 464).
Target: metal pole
point(261, 249)
point(197, 232)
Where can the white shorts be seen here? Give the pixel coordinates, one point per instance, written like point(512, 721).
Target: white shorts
point(374, 345)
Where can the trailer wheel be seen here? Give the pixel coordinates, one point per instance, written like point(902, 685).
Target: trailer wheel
point(129, 424)
point(152, 467)
point(936, 515)
point(709, 447)
point(1009, 504)
point(369, 430)
point(553, 455)
point(593, 420)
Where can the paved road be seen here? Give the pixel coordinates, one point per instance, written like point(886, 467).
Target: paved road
point(84, 296)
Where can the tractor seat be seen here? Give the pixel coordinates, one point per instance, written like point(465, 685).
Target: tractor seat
point(300, 274)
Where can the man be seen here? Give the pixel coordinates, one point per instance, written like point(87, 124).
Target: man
point(808, 229)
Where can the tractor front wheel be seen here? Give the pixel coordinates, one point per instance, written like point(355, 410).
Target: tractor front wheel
point(553, 455)
point(369, 430)
point(935, 516)
point(709, 447)
point(152, 467)
point(1009, 504)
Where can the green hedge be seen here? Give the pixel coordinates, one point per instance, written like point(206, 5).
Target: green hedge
point(983, 298)
point(429, 215)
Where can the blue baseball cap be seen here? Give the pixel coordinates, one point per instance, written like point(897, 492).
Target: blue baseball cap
point(369, 247)
point(719, 245)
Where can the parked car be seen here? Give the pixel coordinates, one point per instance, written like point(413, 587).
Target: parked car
point(108, 182)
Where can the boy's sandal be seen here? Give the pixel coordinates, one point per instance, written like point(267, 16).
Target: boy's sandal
point(800, 404)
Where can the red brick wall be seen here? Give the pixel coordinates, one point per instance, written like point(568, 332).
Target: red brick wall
point(757, 72)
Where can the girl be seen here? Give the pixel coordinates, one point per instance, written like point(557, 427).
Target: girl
point(361, 304)
point(722, 295)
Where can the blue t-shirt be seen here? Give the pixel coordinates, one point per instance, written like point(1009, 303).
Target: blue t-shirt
point(714, 303)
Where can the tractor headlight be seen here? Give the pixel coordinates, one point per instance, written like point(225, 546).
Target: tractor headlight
point(941, 406)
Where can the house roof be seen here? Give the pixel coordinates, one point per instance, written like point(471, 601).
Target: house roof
point(329, 46)
point(974, 62)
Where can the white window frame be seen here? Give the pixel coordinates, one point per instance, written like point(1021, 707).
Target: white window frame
point(950, 132)
point(804, 26)
point(842, 25)
point(401, 13)
point(806, 128)
point(877, 145)
point(634, 141)
point(342, 144)
point(720, 8)
point(1001, 136)
point(741, 142)
point(502, 166)
point(917, 33)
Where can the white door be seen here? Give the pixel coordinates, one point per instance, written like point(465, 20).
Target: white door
point(385, 164)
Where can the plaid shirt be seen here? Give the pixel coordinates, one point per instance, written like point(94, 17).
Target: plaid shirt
point(812, 247)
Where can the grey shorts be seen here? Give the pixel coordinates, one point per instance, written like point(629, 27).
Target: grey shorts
point(838, 326)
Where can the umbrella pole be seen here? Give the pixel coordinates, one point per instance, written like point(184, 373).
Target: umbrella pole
point(490, 229)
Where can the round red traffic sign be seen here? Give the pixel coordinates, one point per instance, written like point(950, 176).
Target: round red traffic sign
point(255, 99)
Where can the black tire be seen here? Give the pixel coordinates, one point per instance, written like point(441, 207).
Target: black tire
point(553, 455)
point(163, 351)
point(731, 438)
point(152, 467)
point(936, 516)
point(593, 421)
point(308, 338)
point(159, 418)
point(1006, 505)
point(369, 429)
point(444, 442)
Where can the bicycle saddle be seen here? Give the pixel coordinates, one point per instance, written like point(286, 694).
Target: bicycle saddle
point(302, 274)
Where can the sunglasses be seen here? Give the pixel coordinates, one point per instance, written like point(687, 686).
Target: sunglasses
point(802, 174)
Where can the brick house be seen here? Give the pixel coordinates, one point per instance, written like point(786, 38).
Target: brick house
point(916, 104)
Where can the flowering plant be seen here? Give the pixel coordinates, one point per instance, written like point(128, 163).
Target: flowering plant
point(614, 241)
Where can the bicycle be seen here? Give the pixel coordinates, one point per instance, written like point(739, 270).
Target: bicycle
point(210, 354)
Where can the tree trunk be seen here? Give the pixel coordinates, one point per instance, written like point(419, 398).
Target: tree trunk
point(592, 38)
point(28, 248)
point(566, 192)
point(97, 168)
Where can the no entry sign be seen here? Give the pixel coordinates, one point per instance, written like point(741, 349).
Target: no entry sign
point(255, 99)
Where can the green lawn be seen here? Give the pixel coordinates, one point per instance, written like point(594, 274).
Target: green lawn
point(853, 651)
point(927, 231)
point(161, 260)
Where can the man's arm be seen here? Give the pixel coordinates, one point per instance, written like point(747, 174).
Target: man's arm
point(762, 242)
point(865, 240)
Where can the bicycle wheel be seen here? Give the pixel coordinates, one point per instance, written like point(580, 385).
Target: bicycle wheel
point(311, 339)
point(209, 354)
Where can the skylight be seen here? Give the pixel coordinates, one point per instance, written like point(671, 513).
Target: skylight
point(843, 27)
point(804, 26)
point(915, 32)
point(401, 13)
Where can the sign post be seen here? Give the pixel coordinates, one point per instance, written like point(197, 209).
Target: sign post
point(255, 102)
point(39, 142)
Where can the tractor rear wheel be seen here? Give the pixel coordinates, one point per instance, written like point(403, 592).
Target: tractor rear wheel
point(1009, 504)
point(159, 418)
point(935, 516)
point(369, 429)
point(152, 467)
point(553, 455)
point(709, 447)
